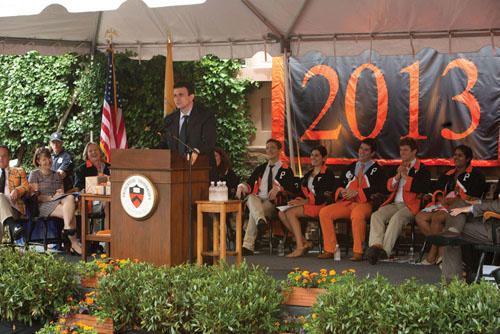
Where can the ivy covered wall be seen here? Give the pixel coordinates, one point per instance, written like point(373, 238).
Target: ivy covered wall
point(40, 94)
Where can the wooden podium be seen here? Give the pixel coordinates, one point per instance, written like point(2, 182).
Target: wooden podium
point(163, 237)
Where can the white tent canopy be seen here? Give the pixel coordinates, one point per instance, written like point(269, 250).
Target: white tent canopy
point(241, 28)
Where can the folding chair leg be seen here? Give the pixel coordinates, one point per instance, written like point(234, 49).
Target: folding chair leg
point(479, 267)
point(320, 239)
point(45, 227)
point(270, 238)
point(422, 250)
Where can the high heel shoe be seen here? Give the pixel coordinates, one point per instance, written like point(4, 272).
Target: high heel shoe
point(67, 232)
point(72, 251)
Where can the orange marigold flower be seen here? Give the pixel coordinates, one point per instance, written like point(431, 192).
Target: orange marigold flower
point(89, 301)
point(65, 331)
point(333, 280)
point(323, 279)
point(352, 270)
point(305, 281)
point(51, 322)
point(93, 254)
point(344, 272)
point(103, 256)
point(136, 260)
point(332, 272)
point(297, 278)
point(319, 280)
point(323, 270)
point(62, 320)
point(314, 315)
point(70, 299)
point(277, 323)
point(296, 269)
point(99, 308)
point(116, 268)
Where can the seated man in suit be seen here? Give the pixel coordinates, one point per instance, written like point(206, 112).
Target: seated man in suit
point(13, 185)
point(466, 223)
point(409, 182)
point(266, 181)
point(190, 124)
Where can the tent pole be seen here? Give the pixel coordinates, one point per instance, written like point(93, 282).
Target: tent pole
point(288, 111)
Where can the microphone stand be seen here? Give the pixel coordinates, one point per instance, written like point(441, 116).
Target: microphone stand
point(189, 151)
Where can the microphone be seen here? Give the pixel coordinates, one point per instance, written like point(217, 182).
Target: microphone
point(447, 124)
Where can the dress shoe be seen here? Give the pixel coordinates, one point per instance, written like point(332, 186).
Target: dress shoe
point(373, 254)
point(326, 255)
point(357, 257)
point(445, 238)
point(261, 226)
point(246, 251)
point(18, 232)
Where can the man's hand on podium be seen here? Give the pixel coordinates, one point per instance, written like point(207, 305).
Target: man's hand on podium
point(193, 158)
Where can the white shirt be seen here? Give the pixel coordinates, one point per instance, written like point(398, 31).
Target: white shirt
point(399, 194)
point(6, 190)
point(181, 119)
point(263, 184)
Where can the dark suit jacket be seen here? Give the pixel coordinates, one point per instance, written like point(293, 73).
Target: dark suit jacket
point(200, 130)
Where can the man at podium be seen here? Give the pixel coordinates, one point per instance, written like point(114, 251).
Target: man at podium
point(190, 124)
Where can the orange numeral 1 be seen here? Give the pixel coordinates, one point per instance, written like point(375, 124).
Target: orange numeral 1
point(413, 71)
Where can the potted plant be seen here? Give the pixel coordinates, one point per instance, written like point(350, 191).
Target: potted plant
point(303, 287)
point(86, 312)
point(90, 272)
point(64, 327)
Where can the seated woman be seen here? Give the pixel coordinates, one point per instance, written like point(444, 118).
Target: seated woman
point(224, 172)
point(48, 186)
point(462, 183)
point(317, 181)
point(93, 165)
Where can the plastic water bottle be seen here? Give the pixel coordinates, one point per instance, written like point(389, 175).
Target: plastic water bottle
point(224, 192)
point(281, 248)
point(336, 253)
point(211, 191)
point(218, 191)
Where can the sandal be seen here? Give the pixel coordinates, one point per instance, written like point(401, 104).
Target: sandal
point(298, 252)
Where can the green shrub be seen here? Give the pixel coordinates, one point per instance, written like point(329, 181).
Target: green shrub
point(376, 306)
point(120, 292)
point(193, 299)
point(237, 299)
point(33, 286)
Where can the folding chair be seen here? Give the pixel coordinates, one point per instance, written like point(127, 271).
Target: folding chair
point(33, 220)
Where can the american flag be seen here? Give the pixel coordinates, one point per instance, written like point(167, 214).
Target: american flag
point(113, 134)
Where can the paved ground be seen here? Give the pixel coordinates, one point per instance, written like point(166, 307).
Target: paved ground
point(395, 272)
point(279, 266)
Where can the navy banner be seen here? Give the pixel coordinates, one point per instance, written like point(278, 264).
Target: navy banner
point(442, 100)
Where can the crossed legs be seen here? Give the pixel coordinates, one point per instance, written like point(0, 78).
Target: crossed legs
point(66, 211)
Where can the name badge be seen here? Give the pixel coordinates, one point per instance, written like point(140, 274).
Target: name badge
point(59, 160)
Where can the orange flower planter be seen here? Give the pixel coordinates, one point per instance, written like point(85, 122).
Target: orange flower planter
point(89, 282)
point(301, 296)
point(105, 327)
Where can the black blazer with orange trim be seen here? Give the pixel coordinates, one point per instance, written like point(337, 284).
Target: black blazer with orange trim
point(322, 182)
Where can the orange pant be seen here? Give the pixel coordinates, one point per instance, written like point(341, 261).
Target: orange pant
point(357, 212)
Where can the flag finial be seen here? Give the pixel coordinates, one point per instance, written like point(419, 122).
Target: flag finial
point(109, 35)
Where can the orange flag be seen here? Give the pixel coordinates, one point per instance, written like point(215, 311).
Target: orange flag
point(168, 99)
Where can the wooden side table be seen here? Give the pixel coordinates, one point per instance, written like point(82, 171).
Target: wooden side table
point(84, 199)
point(221, 208)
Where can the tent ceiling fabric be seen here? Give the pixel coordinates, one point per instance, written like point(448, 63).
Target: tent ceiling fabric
point(229, 28)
